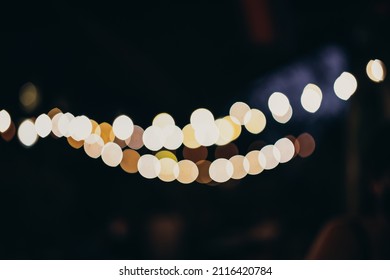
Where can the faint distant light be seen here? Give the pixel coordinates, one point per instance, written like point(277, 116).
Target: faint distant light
point(129, 161)
point(29, 97)
point(5, 121)
point(241, 166)
point(195, 155)
point(27, 134)
point(286, 148)
point(43, 125)
point(238, 111)
point(123, 127)
point(93, 146)
point(64, 124)
point(166, 154)
point(189, 137)
point(54, 123)
point(121, 143)
point(106, 132)
point(167, 170)
point(9, 134)
point(149, 166)
point(311, 98)
point(153, 138)
point(112, 154)
point(278, 104)
point(163, 120)
point(269, 157)
point(376, 70)
point(255, 121)
point(226, 151)
point(207, 135)
point(186, 171)
point(204, 175)
point(297, 146)
point(173, 137)
point(80, 128)
point(254, 163)
point(221, 170)
point(201, 118)
point(236, 127)
point(135, 141)
point(53, 112)
point(284, 119)
point(226, 131)
point(74, 143)
point(307, 145)
point(345, 86)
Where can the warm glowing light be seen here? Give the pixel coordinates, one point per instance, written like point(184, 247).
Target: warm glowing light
point(74, 143)
point(186, 171)
point(163, 120)
point(207, 135)
point(93, 146)
point(278, 104)
point(226, 151)
point(254, 164)
point(135, 141)
point(153, 138)
point(5, 121)
point(43, 125)
point(286, 148)
point(27, 134)
point(241, 166)
point(121, 143)
point(9, 134)
point(149, 166)
point(284, 119)
point(189, 139)
point(53, 112)
point(167, 170)
point(123, 127)
point(173, 137)
point(238, 111)
point(311, 98)
point(255, 121)
point(80, 128)
point(29, 97)
point(376, 70)
point(236, 127)
point(221, 170)
point(166, 154)
point(204, 175)
point(129, 161)
point(345, 86)
point(64, 124)
point(106, 132)
point(112, 154)
point(307, 145)
point(195, 155)
point(269, 157)
point(54, 123)
point(201, 118)
point(226, 131)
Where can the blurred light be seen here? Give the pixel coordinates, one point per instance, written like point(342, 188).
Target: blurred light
point(27, 134)
point(80, 128)
point(236, 127)
point(286, 148)
point(204, 175)
point(166, 154)
point(95, 127)
point(173, 137)
point(238, 111)
point(43, 125)
point(307, 145)
point(221, 170)
point(9, 134)
point(294, 140)
point(121, 143)
point(186, 171)
point(255, 121)
point(29, 97)
point(345, 86)
point(64, 124)
point(54, 123)
point(112, 154)
point(5, 121)
point(189, 137)
point(123, 127)
point(74, 143)
point(163, 120)
point(278, 104)
point(166, 173)
point(53, 112)
point(226, 151)
point(254, 163)
point(376, 70)
point(201, 118)
point(207, 135)
point(226, 131)
point(149, 166)
point(269, 157)
point(93, 146)
point(129, 161)
point(153, 138)
point(284, 119)
point(311, 98)
point(106, 132)
point(135, 141)
point(195, 155)
point(240, 165)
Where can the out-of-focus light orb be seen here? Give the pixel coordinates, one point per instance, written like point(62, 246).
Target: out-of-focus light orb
point(167, 173)
point(311, 98)
point(9, 134)
point(226, 151)
point(93, 146)
point(5, 120)
point(43, 125)
point(153, 138)
point(54, 122)
point(75, 143)
point(278, 104)
point(173, 137)
point(53, 112)
point(307, 145)
point(112, 154)
point(29, 97)
point(186, 171)
point(254, 163)
point(129, 161)
point(241, 166)
point(238, 111)
point(195, 155)
point(255, 121)
point(106, 132)
point(123, 127)
point(345, 86)
point(64, 124)
point(204, 175)
point(121, 143)
point(286, 148)
point(162, 120)
point(221, 170)
point(226, 131)
point(189, 139)
point(27, 134)
point(376, 70)
point(236, 127)
point(284, 119)
point(135, 142)
point(149, 166)
point(201, 118)
point(80, 128)
point(166, 154)
point(269, 157)
point(207, 135)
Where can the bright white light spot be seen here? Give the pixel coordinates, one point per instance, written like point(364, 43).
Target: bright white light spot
point(123, 127)
point(226, 131)
point(255, 121)
point(54, 122)
point(112, 154)
point(278, 104)
point(254, 164)
point(166, 173)
point(80, 128)
point(186, 171)
point(311, 98)
point(43, 125)
point(238, 111)
point(93, 146)
point(221, 170)
point(64, 124)
point(207, 135)
point(149, 166)
point(284, 119)
point(162, 120)
point(5, 121)
point(286, 149)
point(153, 138)
point(27, 134)
point(173, 137)
point(376, 70)
point(269, 157)
point(201, 118)
point(241, 166)
point(189, 139)
point(345, 86)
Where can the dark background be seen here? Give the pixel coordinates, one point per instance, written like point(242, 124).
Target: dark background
point(141, 58)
